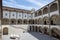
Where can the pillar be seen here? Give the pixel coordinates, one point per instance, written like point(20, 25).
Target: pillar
point(34, 28)
point(49, 20)
point(42, 21)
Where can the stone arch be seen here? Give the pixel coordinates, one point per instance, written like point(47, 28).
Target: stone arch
point(35, 21)
point(5, 21)
point(19, 21)
point(13, 21)
point(5, 31)
point(31, 21)
point(45, 30)
point(25, 21)
point(39, 21)
point(46, 20)
point(55, 32)
point(53, 7)
point(45, 10)
point(40, 29)
point(39, 12)
point(35, 29)
point(35, 14)
point(54, 19)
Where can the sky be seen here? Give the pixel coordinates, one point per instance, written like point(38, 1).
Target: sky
point(26, 4)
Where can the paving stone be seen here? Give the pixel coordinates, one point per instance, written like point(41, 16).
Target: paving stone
point(31, 36)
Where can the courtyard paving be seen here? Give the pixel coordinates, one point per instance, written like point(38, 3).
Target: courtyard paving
point(36, 36)
point(31, 36)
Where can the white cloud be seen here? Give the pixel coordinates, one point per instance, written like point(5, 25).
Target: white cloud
point(15, 5)
point(36, 2)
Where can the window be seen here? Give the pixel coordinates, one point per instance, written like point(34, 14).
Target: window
point(25, 15)
point(6, 14)
point(19, 15)
point(29, 16)
point(13, 14)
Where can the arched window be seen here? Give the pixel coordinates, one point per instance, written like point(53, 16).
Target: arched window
point(5, 31)
point(53, 7)
point(46, 20)
point(45, 10)
point(54, 19)
point(39, 13)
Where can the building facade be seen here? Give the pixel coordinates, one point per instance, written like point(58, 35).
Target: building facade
point(45, 20)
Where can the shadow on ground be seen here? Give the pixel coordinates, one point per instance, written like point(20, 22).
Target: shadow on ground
point(41, 36)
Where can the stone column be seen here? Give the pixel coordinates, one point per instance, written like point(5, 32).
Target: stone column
point(42, 21)
point(9, 17)
point(34, 28)
point(49, 20)
point(16, 18)
point(38, 29)
point(27, 18)
point(22, 17)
